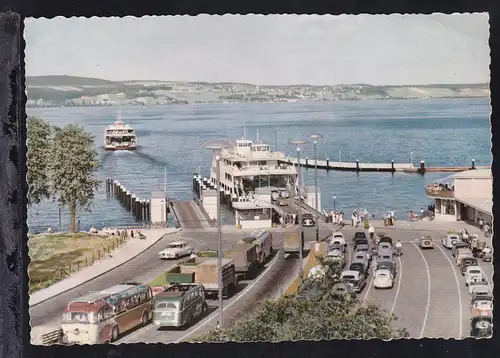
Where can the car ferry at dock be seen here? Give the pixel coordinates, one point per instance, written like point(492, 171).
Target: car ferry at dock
point(120, 136)
point(249, 171)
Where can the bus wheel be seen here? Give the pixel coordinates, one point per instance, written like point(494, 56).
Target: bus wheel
point(115, 333)
point(144, 318)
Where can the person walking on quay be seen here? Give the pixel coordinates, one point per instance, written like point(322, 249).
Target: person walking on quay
point(371, 231)
point(341, 218)
point(354, 219)
point(421, 213)
point(282, 221)
point(393, 218)
point(132, 234)
point(294, 218)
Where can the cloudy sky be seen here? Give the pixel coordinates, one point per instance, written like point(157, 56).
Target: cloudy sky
point(281, 49)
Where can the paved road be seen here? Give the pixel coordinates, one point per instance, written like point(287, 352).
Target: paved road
point(269, 284)
point(189, 214)
point(429, 296)
point(141, 269)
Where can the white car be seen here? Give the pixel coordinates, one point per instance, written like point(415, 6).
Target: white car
point(383, 279)
point(449, 240)
point(480, 288)
point(474, 273)
point(176, 250)
point(338, 238)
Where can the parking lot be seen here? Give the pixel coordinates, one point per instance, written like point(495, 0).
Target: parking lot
point(429, 295)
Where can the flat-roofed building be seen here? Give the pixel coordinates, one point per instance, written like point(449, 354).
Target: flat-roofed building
point(465, 196)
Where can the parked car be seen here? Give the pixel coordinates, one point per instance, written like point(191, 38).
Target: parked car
point(385, 255)
point(176, 250)
point(481, 292)
point(481, 305)
point(426, 242)
point(473, 274)
point(338, 237)
point(336, 256)
point(359, 267)
point(360, 241)
point(362, 258)
point(382, 246)
point(342, 288)
point(387, 265)
point(336, 246)
point(479, 286)
point(449, 240)
point(356, 279)
point(359, 235)
point(386, 239)
point(365, 249)
point(461, 254)
point(467, 262)
point(383, 279)
point(458, 245)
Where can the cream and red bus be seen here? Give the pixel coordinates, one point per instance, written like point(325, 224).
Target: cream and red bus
point(99, 317)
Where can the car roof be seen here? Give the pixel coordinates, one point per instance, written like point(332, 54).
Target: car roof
point(474, 267)
point(338, 234)
point(349, 272)
point(176, 242)
point(385, 262)
point(385, 271)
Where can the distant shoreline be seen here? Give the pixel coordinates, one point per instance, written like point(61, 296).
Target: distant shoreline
point(255, 102)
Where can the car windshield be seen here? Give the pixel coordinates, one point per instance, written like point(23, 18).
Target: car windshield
point(174, 246)
point(338, 236)
point(470, 262)
point(385, 265)
point(356, 267)
point(472, 272)
point(382, 274)
point(359, 257)
point(362, 248)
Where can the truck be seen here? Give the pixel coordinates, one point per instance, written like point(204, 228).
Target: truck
point(206, 273)
point(291, 245)
point(245, 259)
point(264, 243)
point(180, 274)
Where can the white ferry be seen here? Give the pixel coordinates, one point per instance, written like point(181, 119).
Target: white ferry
point(249, 172)
point(119, 136)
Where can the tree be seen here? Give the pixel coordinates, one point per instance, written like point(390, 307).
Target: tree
point(40, 136)
point(74, 165)
point(317, 311)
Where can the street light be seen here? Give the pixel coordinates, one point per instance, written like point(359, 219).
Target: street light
point(334, 198)
point(315, 137)
point(298, 143)
point(216, 146)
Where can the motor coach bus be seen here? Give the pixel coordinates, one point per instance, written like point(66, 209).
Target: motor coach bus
point(99, 317)
point(179, 305)
point(264, 242)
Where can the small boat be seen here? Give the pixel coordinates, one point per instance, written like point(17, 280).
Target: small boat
point(120, 136)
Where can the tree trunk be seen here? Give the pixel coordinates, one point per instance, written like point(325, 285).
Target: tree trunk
point(72, 213)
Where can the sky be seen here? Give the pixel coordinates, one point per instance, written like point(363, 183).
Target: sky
point(265, 50)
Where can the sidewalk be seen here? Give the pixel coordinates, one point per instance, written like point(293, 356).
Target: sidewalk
point(429, 225)
point(131, 249)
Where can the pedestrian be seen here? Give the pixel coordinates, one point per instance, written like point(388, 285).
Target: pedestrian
point(353, 218)
point(421, 213)
point(132, 233)
point(281, 221)
point(294, 217)
point(78, 226)
point(341, 217)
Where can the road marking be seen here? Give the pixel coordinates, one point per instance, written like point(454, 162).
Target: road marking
point(400, 274)
point(213, 315)
point(428, 290)
point(458, 288)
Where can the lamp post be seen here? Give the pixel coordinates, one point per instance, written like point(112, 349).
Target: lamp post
point(334, 198)
point(315, 137)
point(216, 146)
point(298, 143)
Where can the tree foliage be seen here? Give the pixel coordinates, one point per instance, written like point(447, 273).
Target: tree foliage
point(317, 311)
point(75, 163)
point(40, 136)
point(62, 164)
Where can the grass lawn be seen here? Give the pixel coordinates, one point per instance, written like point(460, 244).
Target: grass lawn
point(51, 252)
point(159, 280)
point(311, 262)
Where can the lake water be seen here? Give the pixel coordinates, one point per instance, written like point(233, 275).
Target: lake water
point(441, 132)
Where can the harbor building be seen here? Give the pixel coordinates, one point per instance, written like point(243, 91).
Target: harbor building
point(465, 196)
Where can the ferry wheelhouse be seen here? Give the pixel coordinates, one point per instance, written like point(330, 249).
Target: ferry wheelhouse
point(248, 174)
point(120, 136)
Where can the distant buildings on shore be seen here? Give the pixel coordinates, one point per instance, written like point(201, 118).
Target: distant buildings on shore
point(142, 93)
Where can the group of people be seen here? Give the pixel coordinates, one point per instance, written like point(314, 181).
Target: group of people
point(389, 218)
point(358, 218)
point(289, 218)
point(474, 243)
point(334, 217)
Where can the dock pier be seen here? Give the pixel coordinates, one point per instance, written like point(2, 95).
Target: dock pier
point(140, 208)
point(390, 167)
